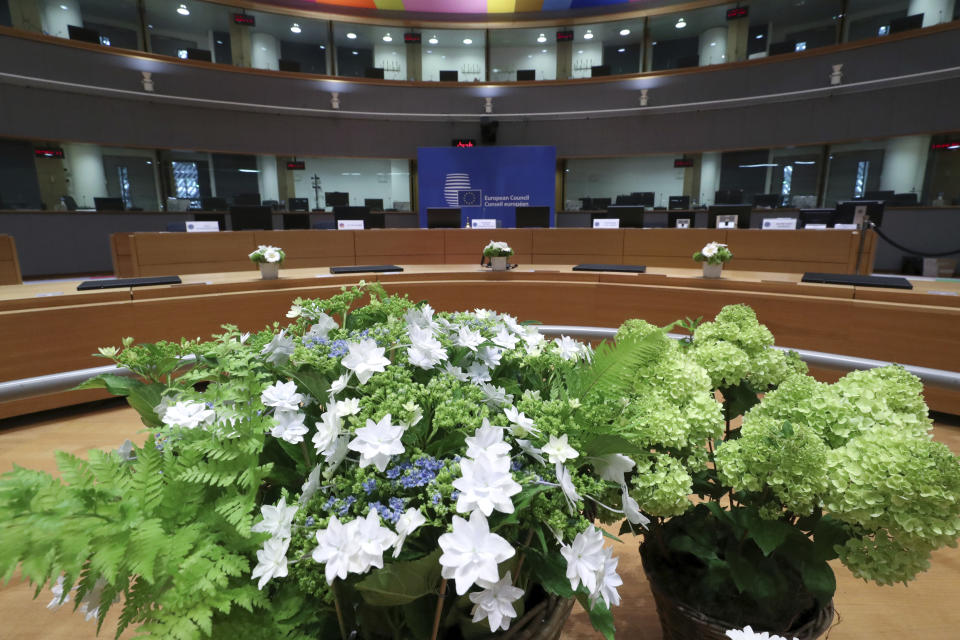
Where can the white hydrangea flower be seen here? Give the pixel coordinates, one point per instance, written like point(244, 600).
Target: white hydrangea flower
point(710, 250)
point(584, 558)
point(477, 373)
point(311, 486)
point(289, 426)
point(496, 397)
point(188, 414)
point(631, 509)
point(490, 356)
point(566, 485)
point(487, 441)
point(271, 255)
point(425, 351)
point(348, 407)
point(271, 561)
point(354, 547)
point(455, 371)
point(377, 442)
point(467, 337)
point(335, 455)
point(607, 581)
point(90, 603)
point(59, 597)
point(568, 348)
point(276, 519)
point(521, 425)
point(323, 326)
point(471, 552)
point(282, 396)
point(407, 523)
point(486, 485)
point(328, 430)
point(339, 384)
point(747, 633)
point(558, 450)
point(295, 311)
point(505, 339)
point(335, 547)
point(613, 466)
point(279, 349)
point(422, 318)
point(495, 602)
point(364, 359)
point(527, 447)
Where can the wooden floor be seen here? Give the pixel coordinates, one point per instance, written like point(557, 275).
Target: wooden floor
point(920, 610)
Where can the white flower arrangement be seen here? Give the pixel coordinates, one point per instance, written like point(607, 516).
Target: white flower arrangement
point(713, 253)
point(497, 250)
point(268, 254)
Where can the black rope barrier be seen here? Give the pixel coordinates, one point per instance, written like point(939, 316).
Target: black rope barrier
point(911, 251)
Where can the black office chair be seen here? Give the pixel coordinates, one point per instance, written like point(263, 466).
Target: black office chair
point(69, 203)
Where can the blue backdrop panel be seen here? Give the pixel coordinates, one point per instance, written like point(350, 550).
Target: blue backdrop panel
point(486, 182)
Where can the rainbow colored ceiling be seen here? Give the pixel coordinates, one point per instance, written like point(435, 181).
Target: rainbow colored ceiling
point(472, 6)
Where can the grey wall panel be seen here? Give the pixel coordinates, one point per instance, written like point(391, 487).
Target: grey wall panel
point(914, 229)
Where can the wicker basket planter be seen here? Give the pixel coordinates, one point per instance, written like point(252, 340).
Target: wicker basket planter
point(680, 621)
point(544, 621)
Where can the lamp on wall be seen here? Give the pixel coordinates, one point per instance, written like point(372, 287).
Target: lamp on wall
point(488, 105)
point(837, 76)
point(643, 97)
point(334, 100)
point(147, 81)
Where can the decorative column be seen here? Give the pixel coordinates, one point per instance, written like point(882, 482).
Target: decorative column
point(713, 46)
point(265, 52)
point(58, 14)
point(934, 11)
point(709, 177)
point(267, 178)
point(904, 164)
point(87, 179)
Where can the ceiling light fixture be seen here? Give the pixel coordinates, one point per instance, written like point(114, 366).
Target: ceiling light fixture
point(624, 32)
point(681, 23)
point(295, 28)
point(388, 38)
point(182, 10)
point(433, 40)
point(541, 38)
point(621, 50)
point(356, 53)
point(351, 36)
point(588, 35)
point(64, 7)
point(467, 41)
point(543, 50)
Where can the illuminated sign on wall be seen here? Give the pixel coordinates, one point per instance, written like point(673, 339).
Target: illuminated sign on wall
point(48, 152)
point(244, 19)
point(564, 36)
point(463, 142)
point(296, 165)
point(738, 12)
point(411, 38)
point(682, 163)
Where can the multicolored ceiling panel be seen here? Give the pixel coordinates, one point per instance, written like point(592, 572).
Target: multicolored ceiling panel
point(472, 6)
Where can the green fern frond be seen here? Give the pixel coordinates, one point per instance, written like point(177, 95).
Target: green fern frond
point(614, 365)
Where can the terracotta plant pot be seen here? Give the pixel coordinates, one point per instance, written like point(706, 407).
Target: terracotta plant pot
point(269, 270)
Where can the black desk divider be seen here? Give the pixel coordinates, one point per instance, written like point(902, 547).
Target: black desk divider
point(889, 282)
point(622, 268)
point(116, 283)
point(364, 268)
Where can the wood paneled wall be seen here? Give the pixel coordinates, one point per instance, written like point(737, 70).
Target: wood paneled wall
point(9, 263)
point(831, 251)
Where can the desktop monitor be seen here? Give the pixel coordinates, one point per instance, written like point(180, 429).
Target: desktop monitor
point(296, 221)
point(219, 218)
point(213, 204)
point(449, 76)
point(438, 218)
point(108, 204)
point(529, 217)
point(685, 220)
point(600, 70)
point(352, 213)
point(83, 35)
point(374, 220)
point(778, 48)
point(247, 200)
point(656, 220)
point(288, 65)
point(630, 217)
point(298, 204)
point(374, 204)
point(815, 217)
point(678, 202)
point(906, 23)
point(767, 200)
point(728, 196)
point(373, 72)
point(336, 199)
point(249, 217)
point(600, 204)
point(526, 74)
point(199, 54)
point(853, 212)
point(729, 216)
point(879, 195)
point(904, 200)
point(645, 198)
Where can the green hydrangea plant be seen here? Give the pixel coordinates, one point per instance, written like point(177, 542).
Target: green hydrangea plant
point(750, 498)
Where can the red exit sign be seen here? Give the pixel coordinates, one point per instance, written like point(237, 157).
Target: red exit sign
point(738, 12)
point(244, 19)
point(950, 146)
point(682, 163)
point(464, 143)
point(48, 152)
point(296, 165)
point(564, 36)
point(412, 38)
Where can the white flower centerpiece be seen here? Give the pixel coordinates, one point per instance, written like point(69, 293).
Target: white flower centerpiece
point(269, 259)
point(497, 253)
point(713, 256)
point(385, 470)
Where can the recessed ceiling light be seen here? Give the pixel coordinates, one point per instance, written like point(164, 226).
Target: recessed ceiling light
point(64, 7)
point(355, 53)
point(588, 35)
point(388, 38)
point(541, 38)
point(429, 50)
point(352, 36)
point(323, 46)
point(295, 28)
point(681, 23)
point(529, 55)
point(624, 32)
point(621, 50)
point(580, 51)
point(219, 41)
point(759, 36)
point(543, 50)
point(713, 44)
point(433, 40)
point(467, 41)
point(182, 10)
point(149, 26)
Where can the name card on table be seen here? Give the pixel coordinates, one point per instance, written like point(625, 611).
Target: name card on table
point(845, 225)
point(350, 225)
point(683, 223)
point(780, 223)
point(483, 223)
point(203, 226)
point(727, 222)
point(606, 223)
point(815, 225)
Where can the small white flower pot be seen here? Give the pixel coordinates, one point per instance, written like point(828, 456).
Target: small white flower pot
point(269, 270)
point(712, 270)
point(498, 263)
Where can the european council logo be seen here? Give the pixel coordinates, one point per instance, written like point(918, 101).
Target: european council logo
point(469, 198)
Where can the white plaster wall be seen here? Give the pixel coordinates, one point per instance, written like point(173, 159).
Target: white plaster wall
point(85, 171)
point(267, 177)
point(713, 46)
point(449, 59)
point(934, 11)
point(360, 177)
point(392, 59)
point(505, 61)
point(585, 55)
point(266, 52)
point(904, 164)
point(58, 14)
point(610, 177)
point(709, 177)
